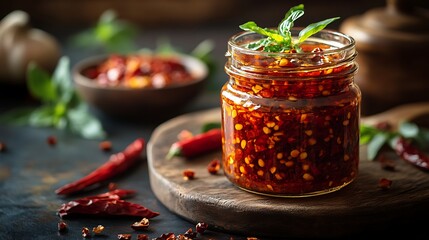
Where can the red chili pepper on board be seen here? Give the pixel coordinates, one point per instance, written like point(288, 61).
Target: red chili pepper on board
point(117, 164)
point(411, 154)
point(196, 145)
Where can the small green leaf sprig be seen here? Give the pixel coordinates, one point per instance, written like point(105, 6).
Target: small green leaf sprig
point(281, 39)
point(377, 137)
point(60, 108)
point(110, 33)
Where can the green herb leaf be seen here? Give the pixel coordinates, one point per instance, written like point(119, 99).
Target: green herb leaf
point(281, 40)
point(252, 26)
point(84, 124)
point(287, 23)
point(39, 84)
point(111, 34)
point(314, 28)
point(61, 107)
point(376, 143)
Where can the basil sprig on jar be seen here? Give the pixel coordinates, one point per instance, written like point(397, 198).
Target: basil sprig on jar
point(281, 39)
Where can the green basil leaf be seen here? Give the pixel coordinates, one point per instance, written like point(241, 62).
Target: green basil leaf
point(62, 80)
point(376, 143)
point(84, 124)
point(408, 130)
point(287, 23)
point(40, 84)
point(252, 26)
point(314, 28)
point(42, 116)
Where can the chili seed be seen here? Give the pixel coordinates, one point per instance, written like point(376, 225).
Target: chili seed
point(283, 62)
point(105, 146)
point(303, 155)
point(201, 227)
point(266, 130)
point(312, 141)
point(294, 153)
point(260, 173)
point(289, 163)
point(307, 177)
point(238, 126)
point(97, 230)
point(62, 227)
point(261, 163)
point(243, 144)
point(242, 170)
point(124, 236)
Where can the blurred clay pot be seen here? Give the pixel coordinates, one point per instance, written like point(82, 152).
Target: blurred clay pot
point(21, 44)
point(393, 48)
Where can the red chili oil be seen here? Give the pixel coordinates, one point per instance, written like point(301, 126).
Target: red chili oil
point(290, 121)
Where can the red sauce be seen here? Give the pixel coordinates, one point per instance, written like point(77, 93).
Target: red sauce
point(293, 128)
point(139, 71)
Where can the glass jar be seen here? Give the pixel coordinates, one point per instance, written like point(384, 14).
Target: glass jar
point(290, 121)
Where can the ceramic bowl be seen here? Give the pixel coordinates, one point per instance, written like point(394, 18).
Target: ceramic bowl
point(127, 102)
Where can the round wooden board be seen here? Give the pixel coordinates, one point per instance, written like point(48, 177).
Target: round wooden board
point(361, 207)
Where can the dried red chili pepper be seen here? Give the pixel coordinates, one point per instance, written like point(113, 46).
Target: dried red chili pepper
point(411, 154)
point(196, 145)
point(104, 207)
point(117, 164)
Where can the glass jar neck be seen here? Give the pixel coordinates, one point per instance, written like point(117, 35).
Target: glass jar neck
point(334, 51)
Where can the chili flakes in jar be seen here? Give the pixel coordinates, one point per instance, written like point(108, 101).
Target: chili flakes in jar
point(291, 120)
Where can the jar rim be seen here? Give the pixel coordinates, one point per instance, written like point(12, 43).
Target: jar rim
point(347, 45)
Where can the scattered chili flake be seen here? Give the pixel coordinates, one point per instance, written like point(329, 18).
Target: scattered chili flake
point(85, 232)
point(62, 227)
point(142, 225)
point(3, 147)
point(124, 236)
point(188, 174)
point(201, 227)
point(166, 236)
point(384, 183)
point(214, 166)
point(142, 237)
point(98, 230)
point(190, 234)
point(52, 140)
point(105, 146)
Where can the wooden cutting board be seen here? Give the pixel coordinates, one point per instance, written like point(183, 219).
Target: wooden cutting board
point(360, 208)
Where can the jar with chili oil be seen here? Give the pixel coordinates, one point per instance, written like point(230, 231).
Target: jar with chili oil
point(290, 120)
